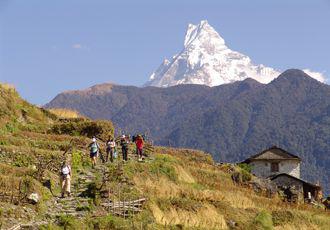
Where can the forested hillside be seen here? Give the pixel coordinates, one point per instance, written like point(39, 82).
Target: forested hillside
point(230, 121)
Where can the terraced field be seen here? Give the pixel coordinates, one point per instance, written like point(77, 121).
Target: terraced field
point(170, 189)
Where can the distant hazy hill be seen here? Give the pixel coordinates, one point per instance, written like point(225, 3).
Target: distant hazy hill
point(230, 121)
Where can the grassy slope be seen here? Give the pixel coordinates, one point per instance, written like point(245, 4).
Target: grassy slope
point(31, 153)
point(183, 188)
point(65, 113)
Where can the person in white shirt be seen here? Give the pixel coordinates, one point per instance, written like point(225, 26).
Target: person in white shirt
point(65, 179)
point(111, 149)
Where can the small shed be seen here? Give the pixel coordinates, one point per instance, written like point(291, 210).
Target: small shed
point(273, 161)
point(306, 191)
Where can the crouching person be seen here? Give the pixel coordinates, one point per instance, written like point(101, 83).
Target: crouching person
point(65, 179)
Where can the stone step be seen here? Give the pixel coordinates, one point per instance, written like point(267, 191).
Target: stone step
point(80, 184)
point(84, 183)
point(75, 201)
point(80, 190)
point(69, 206)
point(76, 214)
point(86, 177)
point(83, 199)
point(64, 201)
point(69, 210)
point(76, 204)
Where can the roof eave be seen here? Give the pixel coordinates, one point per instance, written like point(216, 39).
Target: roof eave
point(303, 181)
point(278, 159)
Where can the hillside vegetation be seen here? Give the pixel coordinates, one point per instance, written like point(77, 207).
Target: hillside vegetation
point(232, 122)
point(65, 113)
point(184, 189)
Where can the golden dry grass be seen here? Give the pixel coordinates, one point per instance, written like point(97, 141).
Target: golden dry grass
point(239, 200)
point(7, 86)
point(13, 171)
point(160, 188)
point(65, 113)
point(205, 218)
point(183, 175)
point(297, 227)
point(221, 200)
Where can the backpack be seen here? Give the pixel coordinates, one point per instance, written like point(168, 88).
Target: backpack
point(65, 170)
point(94, 148)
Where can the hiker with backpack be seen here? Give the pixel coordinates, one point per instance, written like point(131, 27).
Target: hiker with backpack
point(133, 141)
point(111, 149)
point(65, 179)
point(94, 151)
point(124, 146)
point(139, 146)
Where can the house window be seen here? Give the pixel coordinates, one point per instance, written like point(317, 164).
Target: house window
point(274, 167)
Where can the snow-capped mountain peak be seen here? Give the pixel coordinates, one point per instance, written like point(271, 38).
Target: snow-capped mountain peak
point(205, 59)
point(202, 32)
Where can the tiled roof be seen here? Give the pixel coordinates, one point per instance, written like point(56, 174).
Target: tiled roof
point(273, 153)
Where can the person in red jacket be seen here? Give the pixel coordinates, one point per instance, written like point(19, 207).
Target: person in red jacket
point(139, 146)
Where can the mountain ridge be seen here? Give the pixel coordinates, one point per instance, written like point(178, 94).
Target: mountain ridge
point(231, 121)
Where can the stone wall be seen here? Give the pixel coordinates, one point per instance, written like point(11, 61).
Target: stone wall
point(288, 182)
point(291, 183)
point(262, 168)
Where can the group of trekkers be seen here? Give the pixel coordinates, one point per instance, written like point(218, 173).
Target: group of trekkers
point(111, 153)
point(111, 148)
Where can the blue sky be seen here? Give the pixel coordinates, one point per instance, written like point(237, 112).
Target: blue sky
point(47, 47)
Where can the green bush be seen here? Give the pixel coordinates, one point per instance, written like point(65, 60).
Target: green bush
point(12, 127)
point(50, 227)
point(131, 168)
point(3, 142)
point(163, 165)
point(68, 222)
point(264, 220)
point(84, 208)
point(245, 167)
point(246, 176)
point(110, 222)
point(197, 186)
point(22, 160)
point(79, 126)
point(77, 160)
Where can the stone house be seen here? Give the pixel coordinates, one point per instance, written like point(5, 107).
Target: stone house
point(273, 161)
point(283, 168)
point(305, 190)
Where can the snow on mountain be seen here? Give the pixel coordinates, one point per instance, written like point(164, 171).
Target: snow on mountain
point(205, 59)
